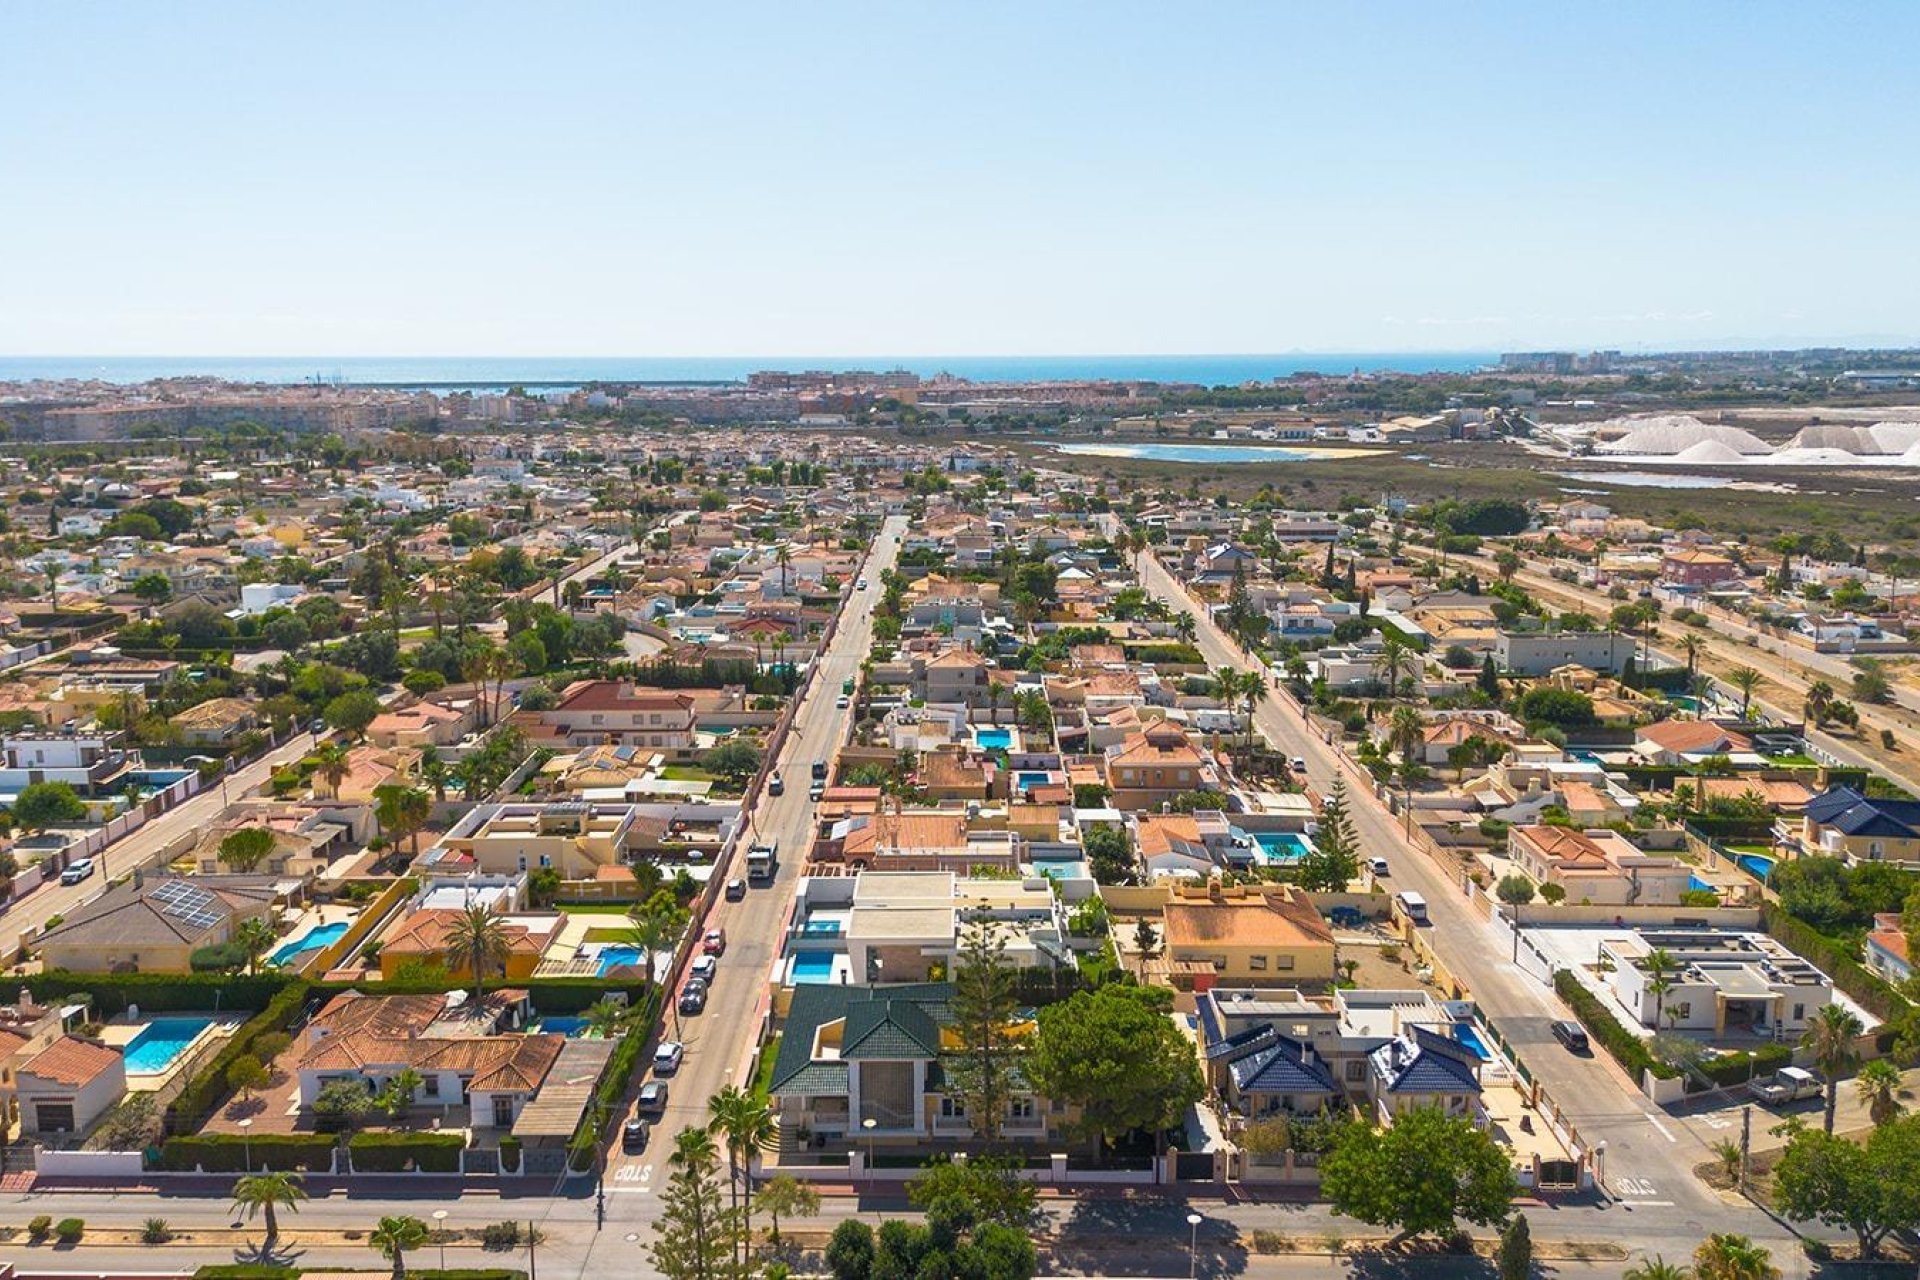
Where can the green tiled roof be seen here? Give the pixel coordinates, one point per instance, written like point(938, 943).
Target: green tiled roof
point(889, 1029)
point(917, 1010)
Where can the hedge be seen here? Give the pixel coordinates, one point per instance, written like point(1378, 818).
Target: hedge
point(1738, 1067)
point(208, 1087)
point(1627, 1048)
point(232, 1153)
point(161, 992)
point(620, 1067)
point(245, 1271)
point(1837, 961)
point(395, 1152)
point(550, 995)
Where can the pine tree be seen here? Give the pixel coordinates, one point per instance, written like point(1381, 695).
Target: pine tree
point(983, 1005)
point(1334, 860)
point(697, 1232)
point(1489, 679)
point(1514, 1258)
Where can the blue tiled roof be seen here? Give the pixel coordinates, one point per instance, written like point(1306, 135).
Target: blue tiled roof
point(1851, 813)
point(1285, 1067)
point(1430, 1064)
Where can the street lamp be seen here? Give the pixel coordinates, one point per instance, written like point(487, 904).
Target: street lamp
point(869, 1124)
point(246, 1142)
point(1193, 1246)
point(439, 1229)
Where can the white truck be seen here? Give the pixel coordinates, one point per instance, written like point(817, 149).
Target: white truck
point(1788, 1084)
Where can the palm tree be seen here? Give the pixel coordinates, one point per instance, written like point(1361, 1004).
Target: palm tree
point(783, 557)
point(1819, 698)
point(477, 941)
point(1394, 664)
point(1656, 1269)
point(1830, 1040)
point(1725, 1256)
point(330, 763)
point(747, 1125)
point(394, 1236)
point(1253, 691)
point(255, 937)
point(650, 932)
point(1746, 680)
point(1879, 1086)
point(1659, 963)
point(1405, 729)
point(605, 1018)
point(265, 1192)
point(1692, 645)
point(1183, 626)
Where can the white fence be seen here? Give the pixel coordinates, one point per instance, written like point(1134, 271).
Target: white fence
point(89, 1164)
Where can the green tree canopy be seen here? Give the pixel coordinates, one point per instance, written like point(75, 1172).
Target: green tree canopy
point(1117, 1055)
point(1424, 1173)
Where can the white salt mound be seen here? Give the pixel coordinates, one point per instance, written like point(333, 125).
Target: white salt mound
point(1675, 433)
point(1896, 437)
point(1815, 457)
point(1709, 451)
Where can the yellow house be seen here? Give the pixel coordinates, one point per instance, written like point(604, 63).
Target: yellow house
point(420, 938)
point(1244, 935)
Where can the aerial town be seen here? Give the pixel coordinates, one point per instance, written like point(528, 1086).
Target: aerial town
point(850, 823)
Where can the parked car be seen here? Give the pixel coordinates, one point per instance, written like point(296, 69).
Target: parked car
point(715, 943)
point(841, 702)
point(862, 584)
point(736, 889)
point(704, 966)
point(777, 785)
point(667, 1058)
point(1299, 765)
point(1788, 1084)
point(693, 997)
point(816, 791)
point(653, 1098)
point(634, 1134)
point(1379, 866)
point(1571, 1034)
point(819, 770)
point(77, 870)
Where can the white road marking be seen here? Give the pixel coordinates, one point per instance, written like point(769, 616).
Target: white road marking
point(1647, 1204)
point(1664, 1131)
point(1635, 1187)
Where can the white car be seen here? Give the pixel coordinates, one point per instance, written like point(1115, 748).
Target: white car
point(862, 584)
point(667, 1058)
point(703, 967)
point(77, 870)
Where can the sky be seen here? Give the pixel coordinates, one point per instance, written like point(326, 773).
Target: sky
point(971, 179)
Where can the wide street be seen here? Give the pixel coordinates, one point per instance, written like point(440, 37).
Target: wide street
point(145, 845)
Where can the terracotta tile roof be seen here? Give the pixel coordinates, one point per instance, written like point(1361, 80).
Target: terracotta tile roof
point(1687, 736)
point(612, 695)
point(1254, 921)
point(73, 1062)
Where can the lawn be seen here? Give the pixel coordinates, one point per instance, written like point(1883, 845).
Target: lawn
point(607, 933)
point(687, 773)
point(594, 908)
point(763, 1069)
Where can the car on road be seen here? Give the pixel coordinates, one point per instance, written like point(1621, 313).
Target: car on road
point(816, 791)
point(634, 1134)
point(715, 943)
point(819, 770)
point(1298, 764)
point(704, 967)
point(862, 584)
point(736, 889)
point(841, 702)
point(693, 998)
point(77, 870)
point(776, 785)
point(653, 1098)
point(317, 728)
point(1379, 866)
point(1571, 1034)
point(668, 1057)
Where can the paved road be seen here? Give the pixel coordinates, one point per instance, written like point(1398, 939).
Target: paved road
point(144, 847)
point(1648, 1159)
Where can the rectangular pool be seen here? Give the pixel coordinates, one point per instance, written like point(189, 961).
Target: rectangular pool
point(569, 1027)
point(312, 940)
point(813, 966)
point(617, 957)
point(817, 928)
point(160, 1042)
point(994, 739)
point(1281, 846)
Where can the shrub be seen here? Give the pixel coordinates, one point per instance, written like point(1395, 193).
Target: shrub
point(509, 1154)
point(500, 1235)
point(155, 1231)
point(38, 1226)
point(69, 1230)
point(231, 1152)
point(246, 1271)
point(1627, 1049)
point(206, 1089)
point(398, 1152)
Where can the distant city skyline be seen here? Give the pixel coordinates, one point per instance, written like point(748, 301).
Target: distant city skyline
point(433, 180)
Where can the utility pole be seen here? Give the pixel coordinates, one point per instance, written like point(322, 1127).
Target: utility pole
point(1746, 1143)
point(533, 1238)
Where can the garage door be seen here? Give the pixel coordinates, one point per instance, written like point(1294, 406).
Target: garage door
point(54, 1117)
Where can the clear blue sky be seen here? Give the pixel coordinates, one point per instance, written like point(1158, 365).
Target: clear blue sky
point(1028, 178)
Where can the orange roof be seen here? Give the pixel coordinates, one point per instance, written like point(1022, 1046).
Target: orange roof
point(1252, 921)
point(73, 1062)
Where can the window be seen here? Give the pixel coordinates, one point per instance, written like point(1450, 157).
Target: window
point(1257, 964)
point(502, 1112)
point(1283, 962)
point(1799, 1013)
point(598, 718)
point(431, 1086)
point(1357, 1069)
point(953, 1109)
point(1020, 1109)
point(1682, 1010)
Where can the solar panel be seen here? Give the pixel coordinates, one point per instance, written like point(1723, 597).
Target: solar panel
point(188, 903)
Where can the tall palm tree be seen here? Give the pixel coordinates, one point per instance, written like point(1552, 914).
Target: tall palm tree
point(477, 941)
point(649, 932)
point(605, 1019)
point(783, 557)
point(1656, 1268)
point(1746, 680)
point(394, 1236)
point(1692, 645)
point(1394, 664)
point(1659, 963)
point(255, 937)
point(747, 1125)
point(1879, 1087)
point(1829, 1039)
point(1405, 729)
point(265, 1192)
point(1819, 698)
point(1725, 1256)
point(331, 765)
point(1253, 691)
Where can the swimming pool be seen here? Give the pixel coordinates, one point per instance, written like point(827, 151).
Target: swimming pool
point(813, 966)
point(994, 739)
point(1028, 781)
point(1466, 1035)
point(312, 940)
point(1696, 883)
point(569, 1027)
point(1061, 868)
point(615, 957)
point(1282, 846)
point(830, 928)
point(160, 1042)
point(1756, 865)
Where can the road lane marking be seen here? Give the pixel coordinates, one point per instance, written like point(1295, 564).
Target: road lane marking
point(1664, 1131)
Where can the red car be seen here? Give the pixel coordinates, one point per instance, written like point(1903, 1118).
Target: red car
point(715, 942)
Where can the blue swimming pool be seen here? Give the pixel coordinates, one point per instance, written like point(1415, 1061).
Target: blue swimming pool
point(994, 739)
point(831, 928)
point(1027, 781)
point(1282, 846)
point(1759, 866)
point(1061, 868)
point(563, 1026)
point(813, 966)
point(615, 957)
point(1466, 1035)
point(1696, 883)
point(161, 1041)
point(312, 940)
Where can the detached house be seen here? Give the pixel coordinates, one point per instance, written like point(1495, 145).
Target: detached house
point(593, 712)
point(1846, 824)
point(1158, 765)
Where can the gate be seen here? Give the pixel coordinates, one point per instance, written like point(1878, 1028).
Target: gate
point(1193, 1166)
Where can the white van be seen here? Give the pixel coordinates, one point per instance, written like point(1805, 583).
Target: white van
point(1412, 904)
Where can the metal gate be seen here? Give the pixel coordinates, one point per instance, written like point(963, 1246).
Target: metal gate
point(1193, 1166)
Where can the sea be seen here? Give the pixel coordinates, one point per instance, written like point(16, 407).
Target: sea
point(563, 372)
